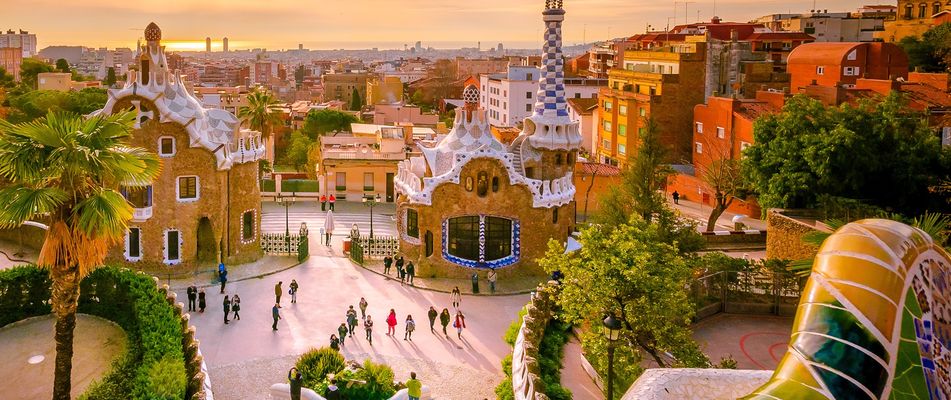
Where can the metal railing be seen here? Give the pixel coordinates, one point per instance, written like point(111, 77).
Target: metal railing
point(746, 292)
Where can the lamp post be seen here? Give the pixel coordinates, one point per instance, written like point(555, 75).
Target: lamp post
point(371, 201)
point(612, 330)
point(286, 202)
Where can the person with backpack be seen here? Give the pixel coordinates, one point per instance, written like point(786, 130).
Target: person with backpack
point(432, 318)
point(444, 318)
point(293, 290)
point(410, 327)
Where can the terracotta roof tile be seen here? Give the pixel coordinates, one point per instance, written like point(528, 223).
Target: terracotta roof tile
point(591, 168)
point(583, 105)
point(925, 96)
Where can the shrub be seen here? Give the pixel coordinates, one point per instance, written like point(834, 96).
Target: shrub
point(316, 364)
point(24, 292)
point(379, 382)
point(511, 334)
point(166, 379)
point(504, 390)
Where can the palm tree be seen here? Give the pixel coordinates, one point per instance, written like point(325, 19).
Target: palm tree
point(66, 170)
point(261, 114)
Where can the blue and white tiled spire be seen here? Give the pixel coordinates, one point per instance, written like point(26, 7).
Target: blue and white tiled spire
point(550, 100)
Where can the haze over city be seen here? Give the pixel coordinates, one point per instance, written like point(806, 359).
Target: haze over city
point(357, 24)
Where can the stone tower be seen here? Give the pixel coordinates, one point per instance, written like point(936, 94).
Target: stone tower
point(548, 144)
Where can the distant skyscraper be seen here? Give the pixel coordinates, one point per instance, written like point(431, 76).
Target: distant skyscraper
point(22, 39)
point(208, 44)
point(300, 46)
point(419, 46)
point(224, 45)
point(500, 48)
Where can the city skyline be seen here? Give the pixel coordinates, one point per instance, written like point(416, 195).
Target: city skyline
point(282, 24)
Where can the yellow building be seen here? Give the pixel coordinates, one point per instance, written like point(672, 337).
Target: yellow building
point(61, 81)
point(915, 17)
point(388, 90)
point(663, 84)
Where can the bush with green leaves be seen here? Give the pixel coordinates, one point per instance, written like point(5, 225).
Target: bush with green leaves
point(372, 381)
point(24, 293)
point(316, 364)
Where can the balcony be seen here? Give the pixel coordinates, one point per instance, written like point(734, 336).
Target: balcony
point(141, 214)
point(362, 155)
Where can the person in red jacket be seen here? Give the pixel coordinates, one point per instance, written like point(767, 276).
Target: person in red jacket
point(391, 323)
point(323, 202)
point(332, 201)
point(459, 324)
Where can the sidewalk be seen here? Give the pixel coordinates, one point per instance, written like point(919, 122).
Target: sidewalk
point(701, 213)
point(521, 285)
point(207, 275)
point(12, 254)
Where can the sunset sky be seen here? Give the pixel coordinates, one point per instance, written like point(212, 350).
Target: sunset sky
point(321, 24)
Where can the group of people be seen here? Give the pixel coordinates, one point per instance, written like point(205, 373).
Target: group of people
point(229, 305)
point(407, 274)
point(324, 200)
point(414, 388)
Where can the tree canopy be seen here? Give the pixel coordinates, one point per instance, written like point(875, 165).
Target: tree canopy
point(932, 51)
point(34, 104)
point(62, 65)
point(356, 101)
point(30, 68)
point(321, 122)
point(878, 152)
point(298, 150)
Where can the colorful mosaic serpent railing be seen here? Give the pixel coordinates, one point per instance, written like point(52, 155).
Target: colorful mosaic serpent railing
point(874, 321)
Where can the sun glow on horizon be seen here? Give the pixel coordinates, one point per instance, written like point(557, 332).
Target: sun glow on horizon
point(199, 45)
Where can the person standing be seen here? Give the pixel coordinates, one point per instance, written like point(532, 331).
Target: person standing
point(334, 342)
point(276, 314)
point(222, 276)
point(410, 272)
point(676, 197)
point(399, 267)
point(236, 306)
point(342, 331)
point(333, 392)
point(363, 308)
point(493, 276)
point(294, 286)
point(456, 297)
point(192, 295)
point(368, 326)
point(414, 388)
point(323, 202)
point(277, 292)
point(296, 380)
point(432, 318)
point(351, 319)
point(387, 262)
point(333, 200)
point(201, 300)
point(444, 318)
point(459, 324)
point(227, 306)
point(410, 327)
point(391, 323)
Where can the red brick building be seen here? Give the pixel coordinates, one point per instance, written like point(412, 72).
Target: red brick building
point(842, 64)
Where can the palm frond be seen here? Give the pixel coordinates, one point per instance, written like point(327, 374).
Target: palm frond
point(131, 166)
point(104, 213)
point(22, 203)
point(934, 224)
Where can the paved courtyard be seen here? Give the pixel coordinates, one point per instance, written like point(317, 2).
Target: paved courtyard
point(28, 354)
point(754, 341)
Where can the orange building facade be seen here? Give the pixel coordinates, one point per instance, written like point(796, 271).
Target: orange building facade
point(838, 64)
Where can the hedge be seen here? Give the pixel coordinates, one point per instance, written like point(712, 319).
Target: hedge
point(369, 381)
point(300, 185)
point(153, 366)
point(267, 185)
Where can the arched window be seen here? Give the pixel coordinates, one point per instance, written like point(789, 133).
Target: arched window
point(412, 223)
point(922, 10)
point(558, 159)
point(464, 237)
point(429, 243)
point(498, 238)
point(468, 183)
point(495, 184)
point(936, 8)
point(908, 11)
point(480, 241)
point(554, 215)
point(482, 185)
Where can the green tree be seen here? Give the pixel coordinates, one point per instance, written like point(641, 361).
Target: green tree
point(642, 180)
point(110, 77)
point(35, 104)
point(321, 122)
point(298, 150)
point(299, 75)
point(30, 68)
point(879, 152)
point(356, 101)
point(631, 272)
point(932, 51)
point(6, 79)
point(62, 65)
point(67, 170)
point(262, 114)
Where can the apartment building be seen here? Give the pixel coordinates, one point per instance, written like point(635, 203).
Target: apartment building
point(509, 98)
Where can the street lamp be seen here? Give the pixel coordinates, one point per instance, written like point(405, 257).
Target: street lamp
point(612, 330)
point(371, 201)
point(286, 202)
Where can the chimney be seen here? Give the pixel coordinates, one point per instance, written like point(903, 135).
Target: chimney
point(408, 134)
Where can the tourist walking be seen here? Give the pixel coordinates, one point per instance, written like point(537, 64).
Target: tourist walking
point(227, 306)
point(363, 308)
point(432, 318)
point(333, 392)
point(391, 323)
point(493, 276)
point(676, 197)
point(351, 319)
point(278, 291)
point(201, 300)
point(399, 267)
point(192, 295)
point(333, 200)
point(455, 297)
point(459, 324)
point(334, 342)
point(276, 314)
point(444, 318)
point(410, 327)
point(342, 331)
point(236, 306)
point(410, 272)
point(387, 262)
point(323, 202)
point(296, 381)
point(414, 388)
point(222, 276)
point(368, 326)
point(294, 286)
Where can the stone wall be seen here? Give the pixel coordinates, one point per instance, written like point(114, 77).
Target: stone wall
point(695, 384)
point(514, 202)
point(526, 380)
point(196, 371)
point(786, 228)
